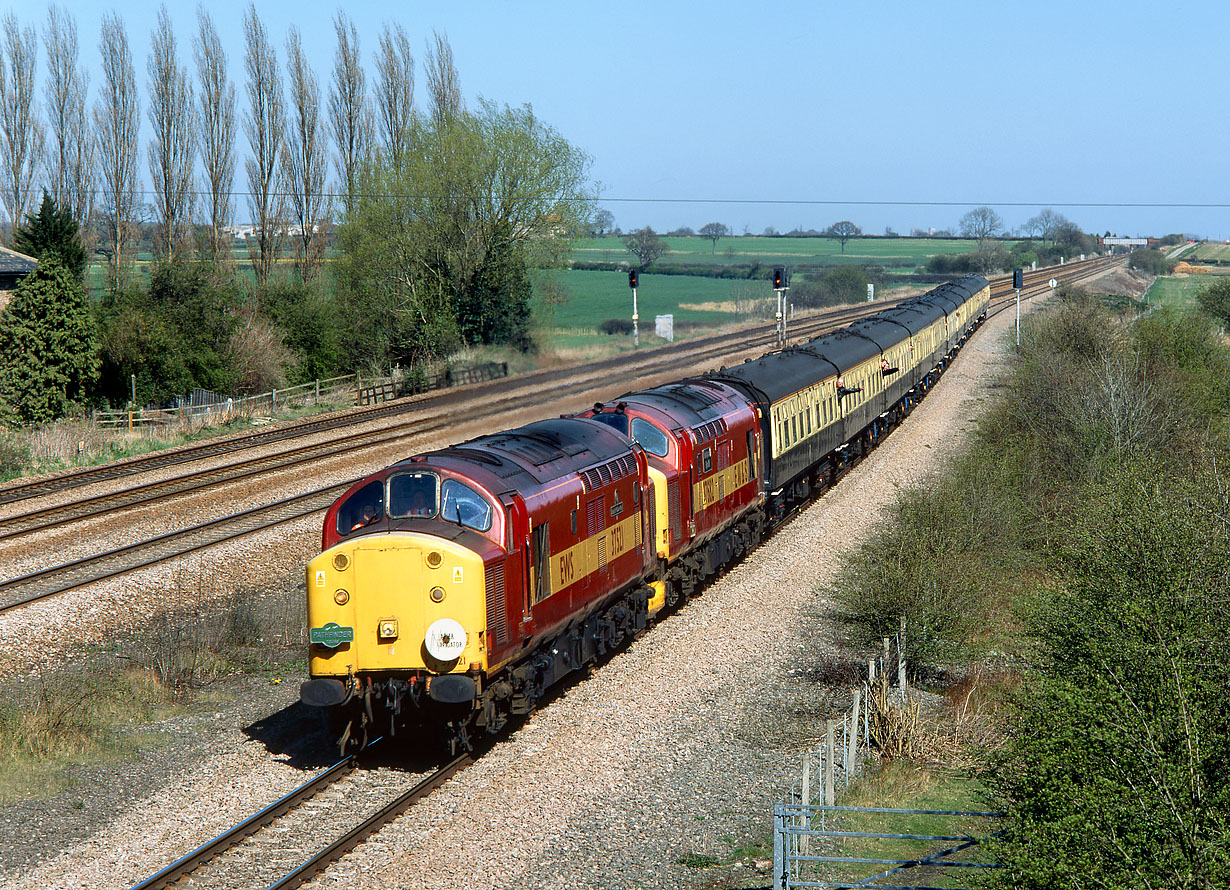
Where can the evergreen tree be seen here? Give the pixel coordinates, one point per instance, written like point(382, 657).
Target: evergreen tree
point(47, 350)
point(53, 229)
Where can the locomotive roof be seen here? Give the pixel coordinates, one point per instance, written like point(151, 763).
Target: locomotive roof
point(535, 453)
point(691, 402)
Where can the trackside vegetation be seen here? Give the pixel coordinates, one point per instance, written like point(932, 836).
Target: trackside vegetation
point(1082, 547)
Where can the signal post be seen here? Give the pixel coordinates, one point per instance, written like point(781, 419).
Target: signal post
point(636, 333)
point(781, 284)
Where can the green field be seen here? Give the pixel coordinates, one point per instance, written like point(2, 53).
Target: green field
point(596, 296)
point(1178, 292)
point(903, 254)
point(1209, 252)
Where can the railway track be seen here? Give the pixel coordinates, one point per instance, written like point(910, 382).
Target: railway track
point(298, 836)
point(46, 582)
point(714, 345)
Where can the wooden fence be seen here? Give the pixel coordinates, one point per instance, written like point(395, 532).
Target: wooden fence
point(202, 408)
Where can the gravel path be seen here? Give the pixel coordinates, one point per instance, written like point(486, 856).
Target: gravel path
point(678, 745)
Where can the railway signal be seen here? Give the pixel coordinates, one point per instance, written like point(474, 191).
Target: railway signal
point(781, 284)
point(1018, 282)
point(636, 333)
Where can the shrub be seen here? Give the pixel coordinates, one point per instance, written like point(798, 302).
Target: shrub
point(1150, 261)
point(616, 326)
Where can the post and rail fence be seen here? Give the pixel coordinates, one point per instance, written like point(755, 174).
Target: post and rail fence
point(204, 408)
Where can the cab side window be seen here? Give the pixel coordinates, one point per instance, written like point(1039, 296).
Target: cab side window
point(463, 505)
point(364, 507)
point(649, 437)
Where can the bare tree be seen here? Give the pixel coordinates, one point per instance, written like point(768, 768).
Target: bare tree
point(1046, 224)
point(217, 127)
point(981, 223)
point(172, 115)
point(350, 118)
point(21, 131)
point(443, 85)
point(71, 159)
point(395, 90)
point(116, 119)
point(843, 231)
point(305, 157)
point(264, 125)
point(65, 92)
point(713, 231)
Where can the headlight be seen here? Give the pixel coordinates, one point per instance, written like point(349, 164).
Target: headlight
point(341, 597)
point(388, 628)
point(437, 594)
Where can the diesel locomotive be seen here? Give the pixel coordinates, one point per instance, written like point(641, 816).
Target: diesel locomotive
point(455, 587)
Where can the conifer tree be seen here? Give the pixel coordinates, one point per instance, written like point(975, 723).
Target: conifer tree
point(48, 357)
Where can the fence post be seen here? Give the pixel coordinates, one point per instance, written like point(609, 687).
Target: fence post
point(901, 656)
point(852, 748)
point(871, 670)
point(866, 710)
point(804, 845)
point(273, 401)
point(779, 845)
point(830, 764)
point(317, 392)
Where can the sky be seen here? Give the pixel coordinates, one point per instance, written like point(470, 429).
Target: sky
point(796, 114)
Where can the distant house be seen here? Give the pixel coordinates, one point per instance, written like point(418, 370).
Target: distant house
point(14, 266)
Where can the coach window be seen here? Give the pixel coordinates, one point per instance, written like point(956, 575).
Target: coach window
point(412, 494)
point(364, 507)
point(463, 505)
point(650, 437)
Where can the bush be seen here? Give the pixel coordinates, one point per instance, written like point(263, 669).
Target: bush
point(1150, 261)
point(951, 264)
point(615, 326)
point(836, 285)
point(924, 565)
point(1215, 300)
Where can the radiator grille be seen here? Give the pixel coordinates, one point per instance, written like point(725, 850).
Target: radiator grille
point(672, 493)
point(497, 619)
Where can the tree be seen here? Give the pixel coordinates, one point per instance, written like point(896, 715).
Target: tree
point(843, 231)
point(171, 153)
point(713, 231)
point(443, 84)
point(350, 119)
point(1045, 224)
point(117, 121)
point(646, 244)
point(265, 125)
point(981, 223)
point(47, 345)
point(604, 221)
point(53, 231)
point(441, 239)
point(1215, 300)
point(394, 89)
point(66, 96)
point(21, 130)
point(217, 119)
point(1114, 774)
point(304, 159)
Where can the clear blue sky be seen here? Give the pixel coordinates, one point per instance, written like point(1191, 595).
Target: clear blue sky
point(746, 104)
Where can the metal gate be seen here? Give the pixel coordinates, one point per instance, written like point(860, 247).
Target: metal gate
point(806, 851)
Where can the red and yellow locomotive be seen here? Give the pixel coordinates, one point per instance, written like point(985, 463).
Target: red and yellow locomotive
point(455, 587)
